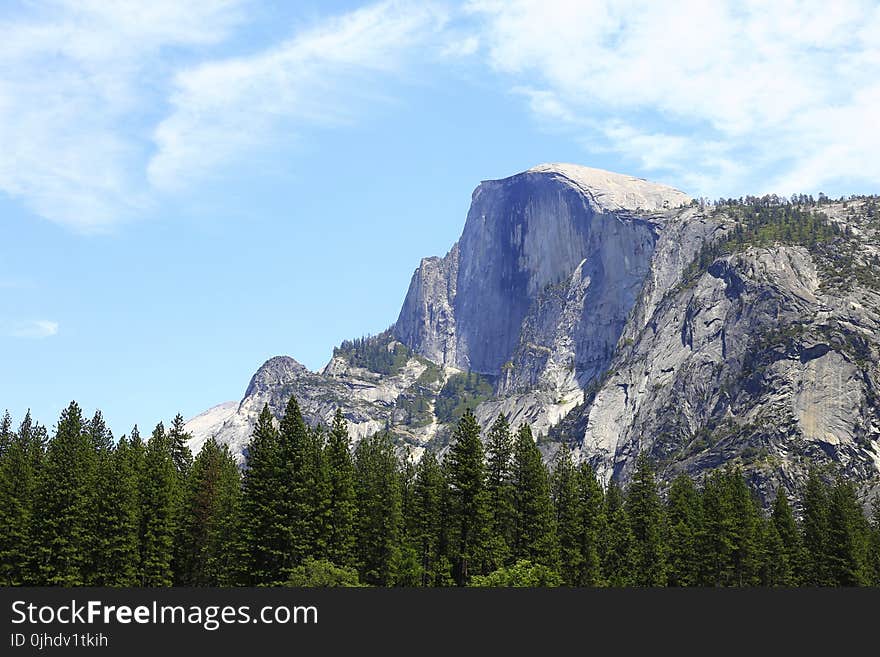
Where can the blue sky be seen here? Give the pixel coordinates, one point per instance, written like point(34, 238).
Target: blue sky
point(187, 189)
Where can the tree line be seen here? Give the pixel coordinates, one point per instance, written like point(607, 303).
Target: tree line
point(82, 509)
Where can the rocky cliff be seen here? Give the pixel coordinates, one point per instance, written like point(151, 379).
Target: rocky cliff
point(618, 316)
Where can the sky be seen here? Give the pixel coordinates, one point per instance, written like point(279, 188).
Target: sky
point(188, 189)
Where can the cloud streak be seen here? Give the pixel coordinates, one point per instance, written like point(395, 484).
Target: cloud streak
point(727, 88)
point(30, 329)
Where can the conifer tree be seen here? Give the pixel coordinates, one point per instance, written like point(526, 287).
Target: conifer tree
point(746, 536)
point(593, 519)
point(160, 496)
point(534, 522)
point(815, 531)
point(211, 508)
point(645, 512)
point(848, 537)
point(265, 507)
point(19, 473)
point(428, 521)
point(301, 461)
point(684, 520)
point(180, 452)
point(63, 508)
point(342, 507)
point(379, 519)
point(116, 554)
point(469, 510)
point(566, 490)
point(499, 489)
point(617, 552)
point(782, 518)
point(6, 434)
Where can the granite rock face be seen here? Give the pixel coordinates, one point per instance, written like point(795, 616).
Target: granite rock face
point(573, 292)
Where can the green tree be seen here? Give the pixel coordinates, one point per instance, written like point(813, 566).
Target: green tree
point(323, 574)
point(594, 523)
point(523, 573)
point(469, 508)
point(211, 509)
point(265, 507)
point(566, 491)
point(20, 464)
point(161, 494)
point(617, 552)
point(815, 531)
point(178, 437)
point(342, 502)
point(782, 518)
point(848, 537)
point(429, 520)
point(63, 508)
point(645, 512)
point(379, 520)
point(499, 490)
point(684, 515)
point(534, 522)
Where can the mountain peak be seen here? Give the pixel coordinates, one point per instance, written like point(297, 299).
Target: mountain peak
point(615, 191)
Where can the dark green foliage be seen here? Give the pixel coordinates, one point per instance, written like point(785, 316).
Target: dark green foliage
point(460, 393)
point(180, 452)
point(566, 489)
point(342, 500)
point(161, 492)
point(499, 491)
point(429, 520)
point(469, 516)
point(617, 548)
point(63, 526)
point(523, 573)
point(322, 573)
point(379, 521)
point(210, 511)
point(645, 513)
point(265, 518)
point(534, 528)
point(78, 510)
point(594, 526)
point(20, 462)
point(377, 353)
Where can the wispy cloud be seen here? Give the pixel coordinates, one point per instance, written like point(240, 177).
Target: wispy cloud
point(76, 85)
point(726, 87)
point(33, 329)
point(318, 77)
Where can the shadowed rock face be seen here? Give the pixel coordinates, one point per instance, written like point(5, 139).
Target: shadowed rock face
point(526, 238)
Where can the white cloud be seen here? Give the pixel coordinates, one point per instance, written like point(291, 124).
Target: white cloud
point(38, 328)
point(321, 76)
point(76, 81)
point(751, 86)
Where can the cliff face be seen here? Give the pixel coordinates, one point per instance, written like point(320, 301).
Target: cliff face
point(586, 302)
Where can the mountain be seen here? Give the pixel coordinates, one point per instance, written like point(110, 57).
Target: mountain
point(619, 315)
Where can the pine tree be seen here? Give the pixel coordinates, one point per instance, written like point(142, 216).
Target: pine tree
point(101, 529)
point(783, 521)
point(746, 535)
point(429, 521)
point(566, 490)
point(469, 513)
point(617, 550)
point(6, 434)
point(62, 537)
point(379, 510)
point(534, 522)
point(342, 507)
point(499, 489)
point(775, 567)
point(594, 523)
point(19, 474)
point(265, 509)
point(815, 532)
point(848, 537)
point(645, 512)
point(160, 496)
point(178, 437)
point(117, 556)
point(874, 544)
point(684, 515)
point(211, 508)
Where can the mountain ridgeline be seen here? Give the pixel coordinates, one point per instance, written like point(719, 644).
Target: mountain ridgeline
point(619, 317)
